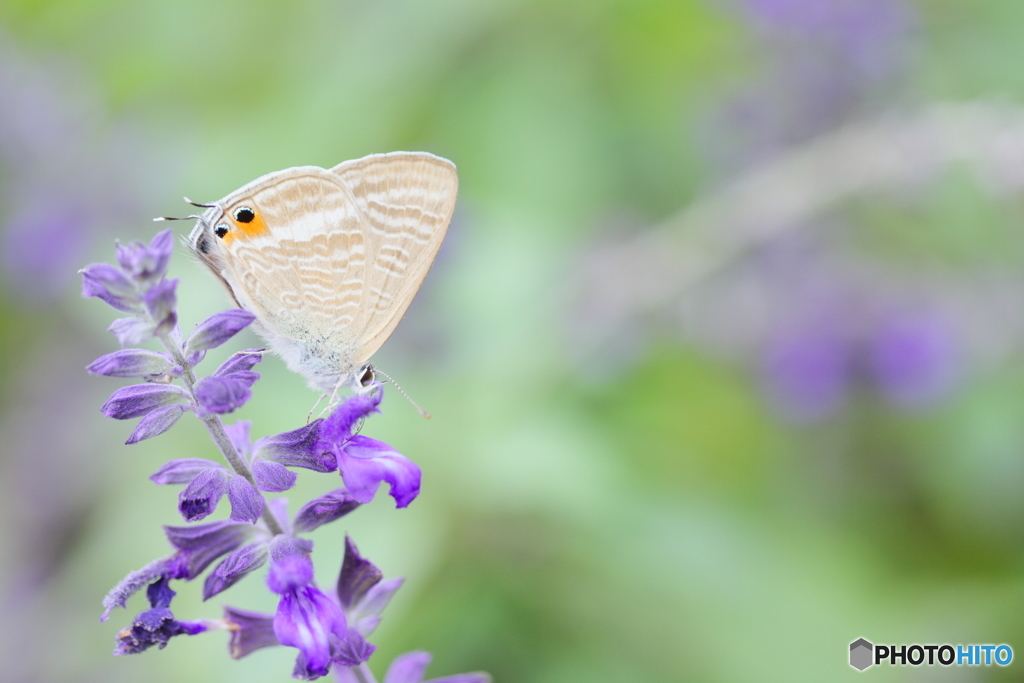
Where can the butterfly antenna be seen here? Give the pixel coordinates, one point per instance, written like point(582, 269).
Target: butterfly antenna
point(402, 392)
point(183, 218)
point(202, 206)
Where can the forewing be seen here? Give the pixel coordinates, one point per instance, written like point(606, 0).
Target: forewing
point(406, 200)
point(303, 271)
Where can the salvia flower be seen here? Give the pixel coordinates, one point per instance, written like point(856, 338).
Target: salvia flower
point(309, 620)
point(329, 629)
point(364, 462)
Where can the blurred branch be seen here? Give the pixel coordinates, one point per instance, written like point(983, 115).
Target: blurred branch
point(654, 269)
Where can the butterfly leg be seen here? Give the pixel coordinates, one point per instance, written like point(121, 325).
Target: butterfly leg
point(310, 415)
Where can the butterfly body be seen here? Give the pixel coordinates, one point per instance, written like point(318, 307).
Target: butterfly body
point(328, 260)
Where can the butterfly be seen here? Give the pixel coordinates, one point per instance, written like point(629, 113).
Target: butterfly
point(328, 260)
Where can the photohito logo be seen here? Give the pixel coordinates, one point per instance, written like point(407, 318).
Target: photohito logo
point(864, 654)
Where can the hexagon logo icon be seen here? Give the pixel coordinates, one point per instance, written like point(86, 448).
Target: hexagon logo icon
point(860, 654)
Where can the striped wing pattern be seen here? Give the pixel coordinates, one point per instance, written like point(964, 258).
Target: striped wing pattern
point(407, 201)
point(344, 253)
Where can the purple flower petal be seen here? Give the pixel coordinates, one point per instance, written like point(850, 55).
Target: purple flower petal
point(250, 631)
point(366, 614)
point(159, 593)
point(289, 571)
point(156, 423)
point(246, 500)
point(337, 428)
point(217, 329)
point(201, 496)
point(238, 435)
point(365, 463)
point(297, 448)
point(306, 618)
point(182, 471)
point(408, 668)
point(138, 399)
point(352, 650)
point(109, 284)
point(132, 363)
point(475, 677)
point(272, 476)
point(154, 627)
point(134, 582)
point(131, 331)
point(147, 264)
point(161, 302)
point(201, 544)
point(221, 394)
point(358, 575)
point(325, 509)
point(240, 362)
point(234, 568)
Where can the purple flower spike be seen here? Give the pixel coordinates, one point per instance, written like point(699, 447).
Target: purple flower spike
point(234, 568)
point(156, 423)
point(364, 463)
point(201, 544)
point(139, 399)
point(147, 264)
point(201, 496)
point(297, 448)
point(161, 302)
point(272, 476)
point(132, 363)
point(222, 394)
point(250, 631)
point(246, 501)
point(325, 509)
point(154, 627)
point(109, 284)
point(217, 329)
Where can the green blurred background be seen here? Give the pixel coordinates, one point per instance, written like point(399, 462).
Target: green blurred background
point(725, 347)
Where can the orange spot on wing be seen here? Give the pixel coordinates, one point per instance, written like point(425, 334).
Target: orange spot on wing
point(254, 227)
point(239, 230)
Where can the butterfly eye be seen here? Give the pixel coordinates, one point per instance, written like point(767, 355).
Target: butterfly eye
point(244, 214)
point(221, 230)
point(367, 377)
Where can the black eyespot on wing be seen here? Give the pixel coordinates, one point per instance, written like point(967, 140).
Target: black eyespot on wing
point(203, 245)
point(221, 230)
point(244, 214)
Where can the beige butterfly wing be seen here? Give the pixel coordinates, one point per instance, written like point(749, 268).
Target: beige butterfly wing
point(332, 259)
point(407, 200)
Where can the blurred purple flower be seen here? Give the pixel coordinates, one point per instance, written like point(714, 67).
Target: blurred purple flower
point(807, 373)
point(913, 358)
point(41, 245)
